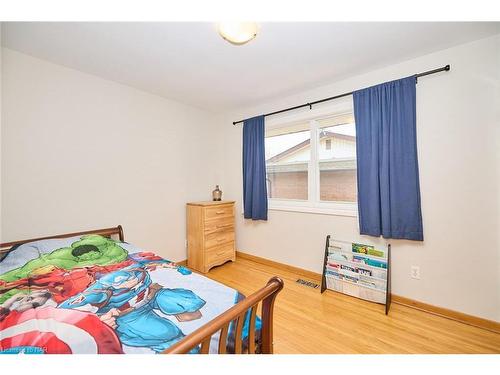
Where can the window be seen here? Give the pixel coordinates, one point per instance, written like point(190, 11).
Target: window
point(337, 164)
point(311, 165)
point(328, 144)
point(287, 163)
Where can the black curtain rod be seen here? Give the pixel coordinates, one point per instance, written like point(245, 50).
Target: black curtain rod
point(443, 69)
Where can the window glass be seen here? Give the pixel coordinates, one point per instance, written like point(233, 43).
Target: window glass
point(337, 163)
point(319, 172)
point(287, 164)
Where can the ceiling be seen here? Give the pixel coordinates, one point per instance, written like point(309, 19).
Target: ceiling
point(191, 63)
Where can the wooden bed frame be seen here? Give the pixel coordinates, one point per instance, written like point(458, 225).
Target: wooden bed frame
point(202, 336)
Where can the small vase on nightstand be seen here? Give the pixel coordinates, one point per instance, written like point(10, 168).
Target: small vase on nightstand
point(217, 193)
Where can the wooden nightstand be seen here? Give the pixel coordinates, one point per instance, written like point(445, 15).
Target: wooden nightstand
point(210, 234)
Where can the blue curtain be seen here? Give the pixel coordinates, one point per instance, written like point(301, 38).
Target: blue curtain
point(386, 147)
point(254, 169)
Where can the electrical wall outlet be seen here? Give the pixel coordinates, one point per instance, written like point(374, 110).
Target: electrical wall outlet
point(415, 272)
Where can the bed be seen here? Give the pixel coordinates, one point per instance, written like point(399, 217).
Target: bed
point(93, 293)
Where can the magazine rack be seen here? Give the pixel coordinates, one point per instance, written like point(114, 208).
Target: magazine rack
point(358, 270)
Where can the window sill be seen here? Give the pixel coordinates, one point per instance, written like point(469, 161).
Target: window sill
point(336, 209)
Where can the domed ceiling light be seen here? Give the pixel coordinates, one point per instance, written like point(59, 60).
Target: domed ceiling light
point(238, 32)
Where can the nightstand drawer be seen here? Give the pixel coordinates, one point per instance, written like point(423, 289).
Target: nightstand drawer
point(219, 224)
point(220, 254)
point(219, 212)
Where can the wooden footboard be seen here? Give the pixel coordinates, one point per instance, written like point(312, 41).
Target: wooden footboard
point(202, 336)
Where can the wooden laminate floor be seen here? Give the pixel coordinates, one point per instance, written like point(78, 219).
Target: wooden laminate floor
point(307, 321)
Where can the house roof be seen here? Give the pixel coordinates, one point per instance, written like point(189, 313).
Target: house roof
point(306, 143)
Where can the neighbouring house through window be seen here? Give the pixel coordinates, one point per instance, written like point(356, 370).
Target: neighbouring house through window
point(311, 165)
point(287, 163)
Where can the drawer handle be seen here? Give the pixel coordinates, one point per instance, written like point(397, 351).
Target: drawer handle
point(219, 212)
point(221, 239)
point(223, 226)
point(219, 254)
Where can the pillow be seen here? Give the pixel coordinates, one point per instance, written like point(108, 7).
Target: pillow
point(19, 255)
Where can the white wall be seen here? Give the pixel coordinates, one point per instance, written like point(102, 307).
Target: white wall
point(80, 152)
point(457, 118)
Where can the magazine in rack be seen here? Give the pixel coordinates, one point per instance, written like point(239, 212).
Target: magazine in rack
point(358, 270)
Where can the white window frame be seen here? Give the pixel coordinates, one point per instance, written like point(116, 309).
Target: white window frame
point(313, 203)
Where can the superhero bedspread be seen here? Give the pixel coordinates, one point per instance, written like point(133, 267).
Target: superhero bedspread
point(91, 294)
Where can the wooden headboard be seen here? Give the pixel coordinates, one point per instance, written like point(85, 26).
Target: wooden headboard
point(106, 232)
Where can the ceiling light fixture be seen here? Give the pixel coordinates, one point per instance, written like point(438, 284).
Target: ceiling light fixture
point(238, 32)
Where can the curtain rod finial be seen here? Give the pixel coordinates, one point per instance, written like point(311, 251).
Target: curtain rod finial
point(447, 67)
